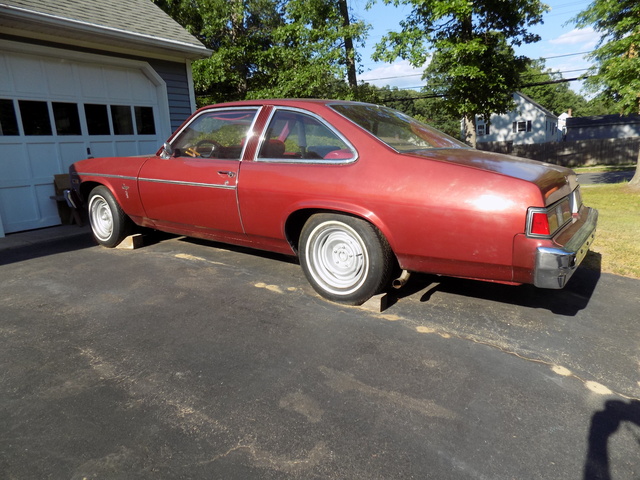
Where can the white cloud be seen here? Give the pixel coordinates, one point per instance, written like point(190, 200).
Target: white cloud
point(399, 74)
point(585, 36)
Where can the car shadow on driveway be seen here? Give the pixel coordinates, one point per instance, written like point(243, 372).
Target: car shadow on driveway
point(240, 249)
point(567, 302)
point(42, 249)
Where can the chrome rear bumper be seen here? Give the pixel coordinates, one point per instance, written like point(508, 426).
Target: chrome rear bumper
point(555, 266)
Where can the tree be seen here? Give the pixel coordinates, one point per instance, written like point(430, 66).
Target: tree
point(473, 64)
point(617, 71)
point(271, 48)
point(546, 88)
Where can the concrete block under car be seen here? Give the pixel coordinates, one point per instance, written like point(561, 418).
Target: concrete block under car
point(132, 242)
point(377, 303)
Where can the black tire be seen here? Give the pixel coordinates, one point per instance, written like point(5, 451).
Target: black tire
point(109, 224)
point(345, 259)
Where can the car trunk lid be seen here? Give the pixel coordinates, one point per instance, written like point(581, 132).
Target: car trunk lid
point(555, 182)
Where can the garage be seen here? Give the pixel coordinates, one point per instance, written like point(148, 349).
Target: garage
point(54, 111)
point(97, 79)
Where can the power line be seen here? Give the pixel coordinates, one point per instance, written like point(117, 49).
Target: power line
point(441, 95)
point(420, 74)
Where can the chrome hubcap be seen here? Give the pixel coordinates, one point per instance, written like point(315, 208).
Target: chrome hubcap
point(338, 258)
point(101, 218)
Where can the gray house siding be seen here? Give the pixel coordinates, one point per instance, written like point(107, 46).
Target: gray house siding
point(177, 80)
point(603, 126)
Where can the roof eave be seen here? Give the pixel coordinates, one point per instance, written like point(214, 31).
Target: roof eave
point(104, 37)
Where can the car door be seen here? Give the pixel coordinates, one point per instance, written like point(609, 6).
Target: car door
point(195, 188)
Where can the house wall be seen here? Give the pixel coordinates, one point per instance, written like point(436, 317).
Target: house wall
point(605, 126)
point(179, 90)
point(532, 125)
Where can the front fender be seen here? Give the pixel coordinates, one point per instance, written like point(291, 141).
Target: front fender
point(118, 174)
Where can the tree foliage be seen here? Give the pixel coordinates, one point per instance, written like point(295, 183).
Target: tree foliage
point(470, 46)
point(270, 48)
point(545, 87)
point(616, 73)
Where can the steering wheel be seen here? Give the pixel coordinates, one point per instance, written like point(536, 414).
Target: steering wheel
point(215, 146)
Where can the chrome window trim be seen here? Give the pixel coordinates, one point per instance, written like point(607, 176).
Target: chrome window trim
point(461, 146)
point(303, 161)
point(250, 131)
point(576, 200)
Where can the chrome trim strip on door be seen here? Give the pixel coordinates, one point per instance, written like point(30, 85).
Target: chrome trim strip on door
point(188, 184)
point(105, 175)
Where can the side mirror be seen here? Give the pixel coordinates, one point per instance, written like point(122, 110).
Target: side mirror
point(167, 151)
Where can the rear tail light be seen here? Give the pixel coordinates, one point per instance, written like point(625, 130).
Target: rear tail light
point(545, 222)
point(539, 224)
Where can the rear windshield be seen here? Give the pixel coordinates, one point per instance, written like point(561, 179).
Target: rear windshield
point(399, 131)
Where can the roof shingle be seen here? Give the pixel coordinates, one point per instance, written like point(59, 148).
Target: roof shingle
point(135, 17)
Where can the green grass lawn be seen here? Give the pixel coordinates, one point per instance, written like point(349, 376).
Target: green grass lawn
point(617, 245)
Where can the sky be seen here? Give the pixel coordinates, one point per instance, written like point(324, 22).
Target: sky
point(560, 43)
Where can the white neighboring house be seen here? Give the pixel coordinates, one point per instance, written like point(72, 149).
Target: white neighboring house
point(528, 123)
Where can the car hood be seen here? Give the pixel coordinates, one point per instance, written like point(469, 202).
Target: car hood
point(553, 181)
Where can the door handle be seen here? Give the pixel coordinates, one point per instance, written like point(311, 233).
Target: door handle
point(228, 174)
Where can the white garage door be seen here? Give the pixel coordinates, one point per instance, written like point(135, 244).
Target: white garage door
point(55, 111)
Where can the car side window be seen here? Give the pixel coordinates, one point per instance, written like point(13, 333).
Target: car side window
point(295, 136)
point(215, 134)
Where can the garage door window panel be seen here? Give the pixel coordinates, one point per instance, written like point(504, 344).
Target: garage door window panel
point(66, 118)
point(122, 121)
point(145, 122)
point(97, 119)
point(35, 118)
point(8, 119)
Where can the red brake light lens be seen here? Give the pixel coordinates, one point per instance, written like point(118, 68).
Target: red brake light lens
point(540, 224)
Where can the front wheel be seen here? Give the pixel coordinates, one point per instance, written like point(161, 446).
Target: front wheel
point(345, 259)
point(109, 224)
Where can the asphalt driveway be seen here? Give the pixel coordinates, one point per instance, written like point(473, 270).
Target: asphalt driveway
point(187, 359)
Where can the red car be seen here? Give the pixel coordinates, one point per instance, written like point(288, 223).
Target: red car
point(358, 192)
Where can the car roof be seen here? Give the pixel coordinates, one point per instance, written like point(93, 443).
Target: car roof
point(288, 102)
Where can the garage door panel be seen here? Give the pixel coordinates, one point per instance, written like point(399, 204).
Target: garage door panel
point(149, 148)
point(14, 163)
point(139, 87)
point(6, 80)
point(117, 85)
point(19, 205)
point(92, 82)
point(28, 77)
point(102, 149)
point(125, 149)
point(71, 152)
point(48, 206)
point(58, 75)
point(43, 158)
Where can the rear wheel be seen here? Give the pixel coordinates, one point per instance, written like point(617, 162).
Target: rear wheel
point(345, 259)
point(109, 224)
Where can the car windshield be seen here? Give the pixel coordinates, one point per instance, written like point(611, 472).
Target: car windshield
point(399, 131)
